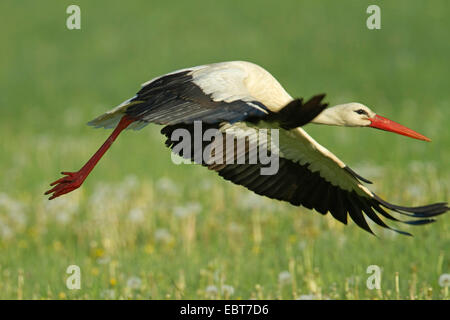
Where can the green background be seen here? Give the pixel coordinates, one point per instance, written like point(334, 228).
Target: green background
point(142, 227)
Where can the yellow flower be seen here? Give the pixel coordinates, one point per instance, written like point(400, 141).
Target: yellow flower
point(57, 245)
point(256, 249)
point(99, 252)
point(95, 271)
point(33, 232)
point(149, 249)
point(292, 238)
point(22, 244)
point(112, 282)
point(61, 295)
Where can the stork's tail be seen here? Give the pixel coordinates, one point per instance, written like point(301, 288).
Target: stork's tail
point(111, 119)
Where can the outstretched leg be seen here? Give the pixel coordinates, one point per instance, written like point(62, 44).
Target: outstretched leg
point(73, 180)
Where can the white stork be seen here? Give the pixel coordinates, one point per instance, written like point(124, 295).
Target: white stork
point(243, 95)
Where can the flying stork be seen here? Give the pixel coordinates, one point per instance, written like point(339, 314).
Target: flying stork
point(243, 95)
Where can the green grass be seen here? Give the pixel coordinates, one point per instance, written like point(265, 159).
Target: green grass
point(182, 231)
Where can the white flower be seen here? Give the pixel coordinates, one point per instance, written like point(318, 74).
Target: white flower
point(444, 280)
point(63, 217)
point(415, 190)
point(136, 215)
point(6, 232)
point(205, 185)
point(104, 260)
point(186, 210)
point(101, 195)
point(61, 210)
point(417, 166)
point(235, 228)
point(130, 182)
point(12, 216)
point(302, 245)
point(284, 277)
point(211, 290)
point(307, 297)
point(108, 294)
point(17, 215)
point(14, 209)
point(252, 201)
point(162, 235)
point(166, 185)
point(134, 283)
point(227, 290)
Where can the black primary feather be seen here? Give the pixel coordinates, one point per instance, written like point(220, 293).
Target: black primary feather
point(297, 184)
point(296, 113)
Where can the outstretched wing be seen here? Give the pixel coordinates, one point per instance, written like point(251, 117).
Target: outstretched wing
point(308, 175)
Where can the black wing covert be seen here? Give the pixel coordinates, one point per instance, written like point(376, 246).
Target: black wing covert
point(175, 98)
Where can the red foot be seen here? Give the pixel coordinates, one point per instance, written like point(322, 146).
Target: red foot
point(72, 181)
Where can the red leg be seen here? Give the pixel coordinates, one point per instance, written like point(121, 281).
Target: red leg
point(73, 180)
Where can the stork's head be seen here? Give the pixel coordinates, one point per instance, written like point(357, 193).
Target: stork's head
point(358, 115)
point(354, 114)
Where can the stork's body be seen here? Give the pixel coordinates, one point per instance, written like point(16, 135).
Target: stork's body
point(240, 95)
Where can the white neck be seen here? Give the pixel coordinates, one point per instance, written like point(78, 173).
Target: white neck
point(330, 117)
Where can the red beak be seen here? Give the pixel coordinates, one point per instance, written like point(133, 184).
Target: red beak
point(382, 123)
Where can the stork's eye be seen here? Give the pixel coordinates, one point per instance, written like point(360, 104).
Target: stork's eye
point(361, 111)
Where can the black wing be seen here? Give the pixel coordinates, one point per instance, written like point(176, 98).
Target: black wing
point(303, 185)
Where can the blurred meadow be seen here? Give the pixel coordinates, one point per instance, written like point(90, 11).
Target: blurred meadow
point(144, 228)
